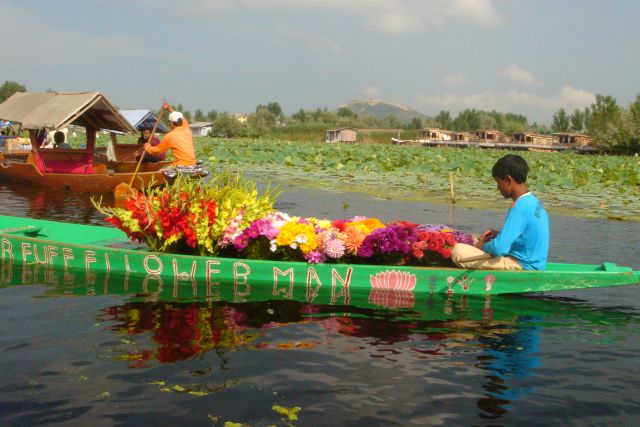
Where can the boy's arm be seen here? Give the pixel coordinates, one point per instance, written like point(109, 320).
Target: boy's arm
point(513, 227)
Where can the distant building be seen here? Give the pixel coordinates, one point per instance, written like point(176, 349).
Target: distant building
point(201, 128)
point(532, 138)
point(461, 136)
point(435, 134)
point(572, 139)
point(341, 135)
point(484, 135)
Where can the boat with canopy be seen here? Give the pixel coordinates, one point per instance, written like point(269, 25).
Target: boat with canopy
point(86, 169)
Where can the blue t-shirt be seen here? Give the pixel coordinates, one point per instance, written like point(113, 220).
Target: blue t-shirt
point(524, 235)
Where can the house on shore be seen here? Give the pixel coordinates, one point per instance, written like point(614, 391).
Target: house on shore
point(572, 139)
point(201, 128)
point(461, 136)
point(341, 135)
point(532, 138)
point(435, 134)
point(490, 135)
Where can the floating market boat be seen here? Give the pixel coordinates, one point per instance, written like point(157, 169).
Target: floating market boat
point(89, 250)
point(87, 169)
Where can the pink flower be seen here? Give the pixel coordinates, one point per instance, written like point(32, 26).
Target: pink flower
point(334, 248)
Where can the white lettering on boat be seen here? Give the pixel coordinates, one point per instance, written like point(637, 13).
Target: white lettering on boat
point(241, 275)
point(67, 254)
point(44, 254)
point(147, 267)
point(276, 273)
point(344, 292)
point(7, 247)
point(126, 264)
point(312, 292)
point(209, 269)
point(26, 250)
point(107, 263)
point(52, 252)
point(182, 275)
point(89, 258)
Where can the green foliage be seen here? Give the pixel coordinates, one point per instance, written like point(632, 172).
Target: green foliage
point(8, 88)
point(560, 121)
point(588, 185)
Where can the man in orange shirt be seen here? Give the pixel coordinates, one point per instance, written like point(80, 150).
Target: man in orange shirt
point(179, 140)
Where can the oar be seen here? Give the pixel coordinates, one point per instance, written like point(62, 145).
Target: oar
point(122, 190)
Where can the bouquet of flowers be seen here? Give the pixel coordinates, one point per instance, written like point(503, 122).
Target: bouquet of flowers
point(191, 216)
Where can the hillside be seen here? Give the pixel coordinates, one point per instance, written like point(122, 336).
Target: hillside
point(381, 109)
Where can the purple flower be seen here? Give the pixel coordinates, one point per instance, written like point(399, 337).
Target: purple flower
point(315, 257)
point(390, 240)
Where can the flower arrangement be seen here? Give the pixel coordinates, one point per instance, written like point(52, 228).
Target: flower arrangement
point(226, 215)
point(190, 216)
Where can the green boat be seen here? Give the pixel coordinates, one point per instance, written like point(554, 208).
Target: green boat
point(91, 250)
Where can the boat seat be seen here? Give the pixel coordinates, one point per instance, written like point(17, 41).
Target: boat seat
point(67, 160)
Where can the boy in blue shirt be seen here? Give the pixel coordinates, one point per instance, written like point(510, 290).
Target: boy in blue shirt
point(523, 242)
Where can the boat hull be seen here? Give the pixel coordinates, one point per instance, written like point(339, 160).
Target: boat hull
point(90, 250)
point(27, 173)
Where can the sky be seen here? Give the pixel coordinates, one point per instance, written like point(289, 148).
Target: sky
point(515, 56)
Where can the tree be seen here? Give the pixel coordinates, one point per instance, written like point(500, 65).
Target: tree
point(345, 112)
point(199, 116)
point(273, 107)
point(577, 120)
point(226, 126)
point(300, 116)
point(415, 123)
point(604, 121)
point(444, 120)
point(9, 88)
point(560, 121)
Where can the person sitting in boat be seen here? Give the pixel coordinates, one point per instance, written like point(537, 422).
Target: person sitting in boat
point(179, 140)
point(154, 141)
point(59, 141)
point(523, 242)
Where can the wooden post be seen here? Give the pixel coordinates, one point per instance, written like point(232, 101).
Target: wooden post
point(452, 186)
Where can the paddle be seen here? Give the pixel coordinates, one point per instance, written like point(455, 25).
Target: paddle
point(124, 191)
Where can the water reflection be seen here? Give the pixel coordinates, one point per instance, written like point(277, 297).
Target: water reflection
point(494, 341)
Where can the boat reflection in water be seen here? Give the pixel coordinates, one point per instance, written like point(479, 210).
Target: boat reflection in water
point(493, 340)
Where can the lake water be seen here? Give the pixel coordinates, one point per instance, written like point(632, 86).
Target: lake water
point(76, 354)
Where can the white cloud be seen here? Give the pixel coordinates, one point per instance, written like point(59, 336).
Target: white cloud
point(517, 74)
point(372, 91)
point(389, 16)
point(455, 79)
point(535, 107)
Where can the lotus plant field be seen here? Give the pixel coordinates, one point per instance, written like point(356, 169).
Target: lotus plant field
point(592, 185)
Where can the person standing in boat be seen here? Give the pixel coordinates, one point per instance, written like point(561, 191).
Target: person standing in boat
point(145, 136)
point(523, 242)
point(179, 140)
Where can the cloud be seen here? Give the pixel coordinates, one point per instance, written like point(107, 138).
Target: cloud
point(388, 16)
point(535, 107)
point(517, 74)
point(455, 79)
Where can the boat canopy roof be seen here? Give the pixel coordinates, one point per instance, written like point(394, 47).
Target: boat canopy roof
point(52, 110)
point(143, 119)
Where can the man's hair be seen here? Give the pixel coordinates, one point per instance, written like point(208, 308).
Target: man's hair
point(58, 137)
point(511, 165)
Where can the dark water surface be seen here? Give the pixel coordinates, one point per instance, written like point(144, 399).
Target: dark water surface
point(76, 353)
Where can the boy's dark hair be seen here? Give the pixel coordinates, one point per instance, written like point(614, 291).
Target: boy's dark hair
point(58, 137)
point(512, 165)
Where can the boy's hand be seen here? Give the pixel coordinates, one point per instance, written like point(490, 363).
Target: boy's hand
point(488, 235)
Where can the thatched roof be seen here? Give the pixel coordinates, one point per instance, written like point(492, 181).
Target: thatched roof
point(53, 110)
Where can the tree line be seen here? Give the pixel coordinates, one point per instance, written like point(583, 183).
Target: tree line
point(614, 128)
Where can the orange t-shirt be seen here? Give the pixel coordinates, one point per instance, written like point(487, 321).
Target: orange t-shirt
point(180, 141)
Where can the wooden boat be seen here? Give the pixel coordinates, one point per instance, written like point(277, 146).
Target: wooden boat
point(89, 250)
point(80, 170)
